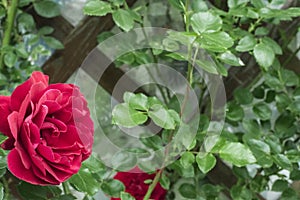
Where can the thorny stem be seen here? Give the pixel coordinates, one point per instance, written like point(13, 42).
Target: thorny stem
point(189, 76)
point(153, 184)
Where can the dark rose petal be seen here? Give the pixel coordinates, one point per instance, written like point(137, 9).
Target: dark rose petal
point(22, 90)
point(16, 166)
point(5, 111)
point(134, 182)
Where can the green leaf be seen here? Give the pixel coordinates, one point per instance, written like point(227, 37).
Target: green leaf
point(216, 41)
point(143, 58)
point(2, 172)
point(262, 110)
point(2, 139)
point(10, 59)
point(274, 143)
point(3, 163)
point(259, 92)
point(247, 43)
point(235, 3)
point(65, 197)
point(103, 36)
point(161, 117)
point(187, 159)
point(206, 21)
point(21, 51)
point(222, 70)
point(237, 154)
point(293, 155)
point(2, 12)
point(126, 196)
point(261, 151)
point(177, 4)
point(154, 142)
point(259, 146)
point(207, 65)
point(46, 8)
point(164, 181)
point(282, 161)
point(282, 101)
point(272, 44)
point(93, 164)
point(37, 192)
point(124, 160)
point(84, 181)
point(229, 58)
point(136, 101)
point(113, 187)
point(280, 185)
point(199, 5)
point(123, 19)
point(45, 30)
point(125, 116)
point(241, 172)
point(25, 22)
point(206, 162)
point(290, 78)
point(273, 82)
point(97, 8)
point(289, 194)
point(234, 112)
point(53, 42)
point(270, 97)
point(243, 96)
point(295, 175)
point(240, 193)
point(284, 125)
point(187, 190)
point(261, 31)
point(264, 55)
point(1, 192)
point(23, 3)
point(170, 45)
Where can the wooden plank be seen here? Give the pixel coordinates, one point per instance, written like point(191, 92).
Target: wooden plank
point(61, 26)
point(78, 44)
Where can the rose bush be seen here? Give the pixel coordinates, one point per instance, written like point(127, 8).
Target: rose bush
point(49, 130)
point(135, 185)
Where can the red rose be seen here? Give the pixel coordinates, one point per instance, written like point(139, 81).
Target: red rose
point(134, 184)
point(49, 130)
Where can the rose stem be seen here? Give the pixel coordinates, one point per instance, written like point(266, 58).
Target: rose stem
point(66, 187)
point(153, 184)
point(11, 14)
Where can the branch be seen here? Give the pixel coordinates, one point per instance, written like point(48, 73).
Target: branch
point(11, 14)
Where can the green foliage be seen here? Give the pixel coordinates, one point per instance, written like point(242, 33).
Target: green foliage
point(126, 196)
point(260, 137)
point(206, 162)
point(38, 192)
point(237, 154)
point(137, 108)
point(46, 8)
point(97, 8)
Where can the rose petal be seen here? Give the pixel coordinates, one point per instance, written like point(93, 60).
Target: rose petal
point(17, 168)
point(5, 111)
point(22, 90)
point(13, 124)
point(40, 116)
